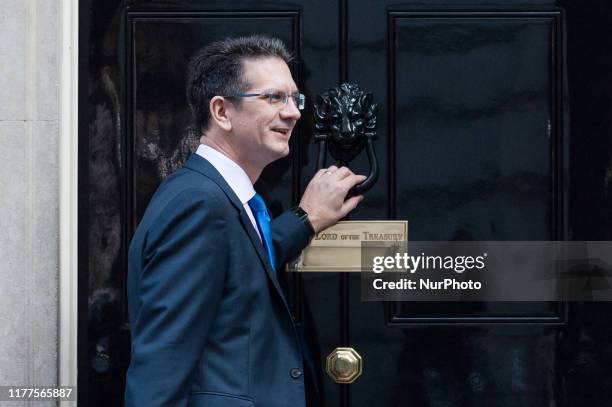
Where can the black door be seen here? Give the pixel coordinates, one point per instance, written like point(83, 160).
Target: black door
point(494, 123)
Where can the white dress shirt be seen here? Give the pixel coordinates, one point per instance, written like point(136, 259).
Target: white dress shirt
point(234, 175)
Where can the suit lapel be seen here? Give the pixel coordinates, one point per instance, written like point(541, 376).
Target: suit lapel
point(261, 251)
point(201, 165)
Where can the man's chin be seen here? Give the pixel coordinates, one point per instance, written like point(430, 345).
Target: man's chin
point(277, 153)
point(286, 152)
point(282, 149)
point(281, 154)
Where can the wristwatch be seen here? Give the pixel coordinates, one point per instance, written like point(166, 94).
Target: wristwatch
point(303, 217)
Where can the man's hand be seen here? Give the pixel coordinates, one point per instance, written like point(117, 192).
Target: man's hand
point(324, 198)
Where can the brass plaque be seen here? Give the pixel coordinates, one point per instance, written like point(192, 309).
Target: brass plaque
point(338, 248)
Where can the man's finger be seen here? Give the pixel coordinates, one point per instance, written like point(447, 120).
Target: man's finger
point(341, 173)
point(349, 182)
point(320, 172)
point(350, 204)
point(326, 171)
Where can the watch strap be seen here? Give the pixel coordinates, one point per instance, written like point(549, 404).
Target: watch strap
point(303, 217)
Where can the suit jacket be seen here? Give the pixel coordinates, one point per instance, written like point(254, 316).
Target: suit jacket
point(210, 325)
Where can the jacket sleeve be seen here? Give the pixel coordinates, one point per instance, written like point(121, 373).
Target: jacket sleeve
point(181, 283)
point(290, 236)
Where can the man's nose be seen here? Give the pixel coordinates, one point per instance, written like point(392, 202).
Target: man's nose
point(290, 110)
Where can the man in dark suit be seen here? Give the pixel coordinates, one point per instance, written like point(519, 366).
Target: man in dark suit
point(210, 324)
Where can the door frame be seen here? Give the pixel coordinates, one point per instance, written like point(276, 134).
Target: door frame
point(68, 33)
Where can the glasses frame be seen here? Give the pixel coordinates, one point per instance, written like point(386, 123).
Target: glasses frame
point(298, 98)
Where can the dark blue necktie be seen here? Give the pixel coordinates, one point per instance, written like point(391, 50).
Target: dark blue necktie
point(262, 219)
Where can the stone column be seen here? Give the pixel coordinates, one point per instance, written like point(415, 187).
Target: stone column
point(29, 227)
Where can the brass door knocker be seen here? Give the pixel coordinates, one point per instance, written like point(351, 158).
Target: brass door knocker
point(345, 124)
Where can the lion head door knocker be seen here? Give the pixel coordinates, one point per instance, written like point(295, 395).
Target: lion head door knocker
point(345, 123)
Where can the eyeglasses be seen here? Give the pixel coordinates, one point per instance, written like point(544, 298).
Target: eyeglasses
point(276, 98)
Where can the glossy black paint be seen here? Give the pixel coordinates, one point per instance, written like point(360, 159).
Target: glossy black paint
point(494, 122)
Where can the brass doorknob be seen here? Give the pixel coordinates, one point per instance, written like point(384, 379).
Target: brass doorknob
point(343, 365)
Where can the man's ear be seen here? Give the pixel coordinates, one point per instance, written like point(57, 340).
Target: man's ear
point(218, 112)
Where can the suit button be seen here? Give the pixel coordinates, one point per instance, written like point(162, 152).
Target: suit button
point(295, 373)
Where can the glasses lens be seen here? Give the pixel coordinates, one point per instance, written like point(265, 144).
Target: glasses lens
point(299, 99)
point(277, 97)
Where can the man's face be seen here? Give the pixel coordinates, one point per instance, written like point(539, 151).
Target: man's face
point(261, 130)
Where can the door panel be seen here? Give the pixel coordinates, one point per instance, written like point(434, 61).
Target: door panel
point(473, 102)
point(475, 139)
point(476, 142)
point(473, 142)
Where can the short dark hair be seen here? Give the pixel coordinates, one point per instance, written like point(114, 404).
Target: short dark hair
point(217, 69)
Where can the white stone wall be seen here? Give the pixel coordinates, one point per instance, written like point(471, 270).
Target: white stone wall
point(29, 193)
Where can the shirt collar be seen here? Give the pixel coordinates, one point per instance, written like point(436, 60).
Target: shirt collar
point(232, 173)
